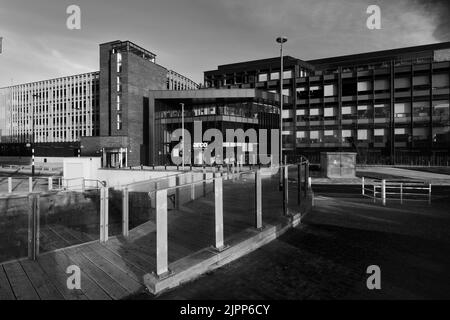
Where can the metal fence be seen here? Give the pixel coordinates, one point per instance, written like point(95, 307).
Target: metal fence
point(396, 190)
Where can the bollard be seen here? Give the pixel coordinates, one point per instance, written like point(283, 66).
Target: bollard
point(162, 267)
point(258, 200)
point(9, 185)
point(50, 184)
point(362, 185)
point(192, 186)
point(218, 210)
point(401, 193)
point(383, 191)
point(125, 212)
point(30, 184)
point(429, 193)
point(33, 227)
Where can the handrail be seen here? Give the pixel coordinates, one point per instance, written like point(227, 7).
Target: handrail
point(385, 188)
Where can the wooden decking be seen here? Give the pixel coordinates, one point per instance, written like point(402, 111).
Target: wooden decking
point(115, 270)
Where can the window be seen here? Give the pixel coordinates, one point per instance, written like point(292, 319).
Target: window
point(381, 85)
point(402, 83)
point(119, 62)
point(119, 121)
point(119, 103)
point(402, 110)
point(329, 133)
point(348, 110)
point(330, 90)
point(329, 112)
point(421, 80)
point(440, 81)
point(421, 109)
point(119, 85)
point(314, 135)
point(400, 131)
point(378, 132)
point(287, 74)
point(262, 77)
point(364, 86)
point(362, 134)
point(441, 109)
point(347, 133)
point(314, 112)
point(301, 134)
point(274, 76)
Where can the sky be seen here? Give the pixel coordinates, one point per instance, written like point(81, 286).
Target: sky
point(193, 36)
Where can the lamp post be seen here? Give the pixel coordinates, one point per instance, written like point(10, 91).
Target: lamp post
point(33, 136)
point(182, 130)
point(281, 40)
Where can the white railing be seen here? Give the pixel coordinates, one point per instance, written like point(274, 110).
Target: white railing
point(396, 190)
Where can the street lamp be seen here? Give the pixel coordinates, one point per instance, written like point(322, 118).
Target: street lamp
point(182, 130)
point(33, 136)
point(281, 40)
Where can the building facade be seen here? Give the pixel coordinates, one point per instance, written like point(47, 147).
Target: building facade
point(389, 106)
point(58, 114)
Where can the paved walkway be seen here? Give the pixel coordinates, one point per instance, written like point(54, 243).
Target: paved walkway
point(400, 173)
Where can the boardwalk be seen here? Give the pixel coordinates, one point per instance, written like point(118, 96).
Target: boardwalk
point(115, 270)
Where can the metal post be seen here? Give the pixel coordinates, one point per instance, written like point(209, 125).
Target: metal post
point(104, 214)
point(429, 193)
point(218, 205)
point(10, 185)
point(258, 200)
point(192, 186)
point(30, 184)
point(306, 178)
point(178, 192)
point(204, 182)
point(309, 183)
point(125, 212)
point(162, 267)
point(50, 184)
point(362, 185)
point(299, 183)
point(374, 193)
point(33, 227)
point(285, 189)
point(182, 130)
point(401, 193)
point(383, 191)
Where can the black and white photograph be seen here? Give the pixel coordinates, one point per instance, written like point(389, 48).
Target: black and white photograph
point(219, 157)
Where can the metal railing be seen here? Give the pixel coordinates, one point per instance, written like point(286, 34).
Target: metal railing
point(396, 190)
point(161, 205)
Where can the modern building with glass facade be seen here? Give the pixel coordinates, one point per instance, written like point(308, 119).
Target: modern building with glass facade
point(389, 106)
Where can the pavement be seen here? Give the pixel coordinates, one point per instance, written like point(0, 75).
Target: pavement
point(328, 255)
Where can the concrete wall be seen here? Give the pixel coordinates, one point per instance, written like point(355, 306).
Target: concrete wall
point(75, 168)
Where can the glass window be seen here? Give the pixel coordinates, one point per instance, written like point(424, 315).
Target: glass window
point(441, 109)
point(362, 134)
point(119, 121)
point(421, 108)
point(421, 80)
point(402, 83)
point(119, 62)
point(347, 110)
point(329, 133)
point(346, 133)
point(314, 135)
point(119, 85)
point(314, 112)
point(330, 90)
point(400, 131)
point(119, 103)
point(274, 76)
point(365, 86)
point(379, 132)
point(287, 74)
point(301, 134)
point(329, 112)
point(381, 85)
point(440, 80)
point(262, 77)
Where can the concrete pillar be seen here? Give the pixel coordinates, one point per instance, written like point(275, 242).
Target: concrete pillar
point(218, 201)
point(258, 199)
point(162, 267)
point(125, 212)
point(50, 184)
point(9, 185)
